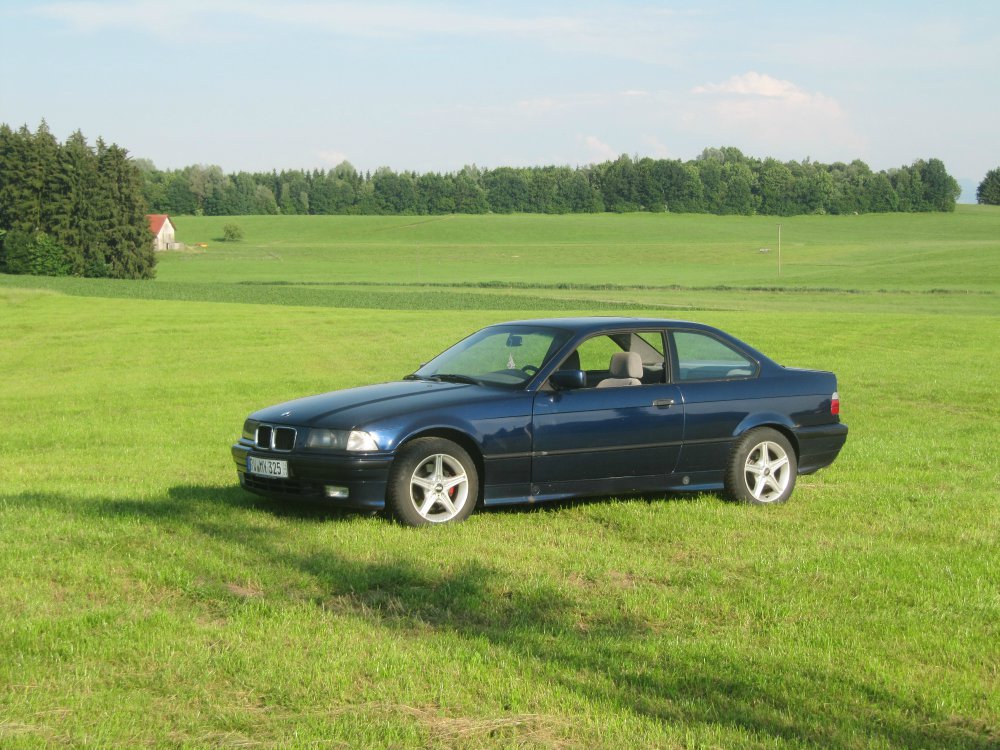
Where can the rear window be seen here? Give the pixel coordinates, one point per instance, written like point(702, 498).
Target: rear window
point(704, 357)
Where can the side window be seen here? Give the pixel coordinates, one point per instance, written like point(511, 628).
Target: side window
point(703, 357)
point(595, 354)
point(649, 346)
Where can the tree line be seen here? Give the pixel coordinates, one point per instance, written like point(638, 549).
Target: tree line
point(75, 209)
point(718, 181)
point(71, 208)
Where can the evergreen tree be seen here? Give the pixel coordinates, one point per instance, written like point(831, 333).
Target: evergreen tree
point(124, 230)
point(8, 177)
point(76, 228)
point(22, 183)
point(65, 209)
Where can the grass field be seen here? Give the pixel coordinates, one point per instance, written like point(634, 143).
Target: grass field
point(145, 600)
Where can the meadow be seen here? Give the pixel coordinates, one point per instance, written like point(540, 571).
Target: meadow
point(145, 600)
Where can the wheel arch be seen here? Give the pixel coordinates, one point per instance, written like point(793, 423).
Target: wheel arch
point(460, 438)
point(776, 422)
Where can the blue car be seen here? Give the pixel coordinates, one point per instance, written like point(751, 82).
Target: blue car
point(538, 410)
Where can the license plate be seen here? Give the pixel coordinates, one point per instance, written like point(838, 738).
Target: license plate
point(267, 467)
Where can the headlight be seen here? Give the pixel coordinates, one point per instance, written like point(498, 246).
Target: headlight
point(355, 440)
point(249, 429)
point(361, 441)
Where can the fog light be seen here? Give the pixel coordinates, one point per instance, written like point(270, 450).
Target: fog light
point(339, 493)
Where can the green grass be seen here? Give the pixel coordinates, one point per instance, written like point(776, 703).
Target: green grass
point(870, 252)
point(145, 600)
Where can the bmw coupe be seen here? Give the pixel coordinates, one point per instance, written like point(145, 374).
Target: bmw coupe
point(538, 410)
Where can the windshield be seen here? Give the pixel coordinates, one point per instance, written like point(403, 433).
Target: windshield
point(505, 355)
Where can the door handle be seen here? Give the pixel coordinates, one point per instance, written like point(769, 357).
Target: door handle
point(664, 403)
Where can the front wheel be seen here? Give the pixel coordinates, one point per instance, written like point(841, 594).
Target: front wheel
point(762, 468)
point(433, 480)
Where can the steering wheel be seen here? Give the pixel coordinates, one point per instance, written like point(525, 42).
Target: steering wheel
point(529, 369)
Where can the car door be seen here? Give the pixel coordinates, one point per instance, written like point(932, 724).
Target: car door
point(584, 437)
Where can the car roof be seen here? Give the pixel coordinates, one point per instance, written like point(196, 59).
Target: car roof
point(594, 324)
point(584, 327)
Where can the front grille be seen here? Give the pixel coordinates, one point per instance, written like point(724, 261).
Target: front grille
point(274, 438)
point(284, 438)
point(263, 439)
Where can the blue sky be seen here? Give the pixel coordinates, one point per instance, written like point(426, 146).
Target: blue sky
point(436, 85)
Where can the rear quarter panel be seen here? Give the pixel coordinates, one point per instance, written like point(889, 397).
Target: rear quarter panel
point(716, 413)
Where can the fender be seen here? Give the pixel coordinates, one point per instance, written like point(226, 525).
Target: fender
point(767, 419)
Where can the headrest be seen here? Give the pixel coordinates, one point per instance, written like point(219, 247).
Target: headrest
point(625, 365)
point(572, 361)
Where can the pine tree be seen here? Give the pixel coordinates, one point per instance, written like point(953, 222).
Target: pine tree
point(21, 183)
point(125, 234)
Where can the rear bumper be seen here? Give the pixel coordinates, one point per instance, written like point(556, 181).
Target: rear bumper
point(364, 477)
point(819, 446)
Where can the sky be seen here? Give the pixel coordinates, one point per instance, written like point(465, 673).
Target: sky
point(432, 86)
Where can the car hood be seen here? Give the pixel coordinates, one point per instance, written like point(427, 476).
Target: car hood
point(358, 407)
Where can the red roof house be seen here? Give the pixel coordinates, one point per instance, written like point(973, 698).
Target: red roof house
point(161, 226)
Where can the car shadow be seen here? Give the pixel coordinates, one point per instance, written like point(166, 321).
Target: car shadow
point(318, 510)
point(236, 497)
point(623, 658)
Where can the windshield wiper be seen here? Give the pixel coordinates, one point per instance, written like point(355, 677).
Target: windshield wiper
point(414, 376)
point(455, 378)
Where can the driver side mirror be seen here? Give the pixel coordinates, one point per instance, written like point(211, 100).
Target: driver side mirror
point(564, 380)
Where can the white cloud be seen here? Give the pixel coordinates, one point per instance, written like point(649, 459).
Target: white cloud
point(760, 112)
point(757, 85)
point(332, 157)
point(598, 150)
point(635, 92)
point(659, 150)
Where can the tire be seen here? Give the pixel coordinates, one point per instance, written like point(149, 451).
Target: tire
point(432, 481)
point(762, 468)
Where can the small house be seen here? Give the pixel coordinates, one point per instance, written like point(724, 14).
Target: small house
point(163, 231)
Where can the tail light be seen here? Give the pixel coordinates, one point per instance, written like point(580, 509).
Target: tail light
point(835, 403)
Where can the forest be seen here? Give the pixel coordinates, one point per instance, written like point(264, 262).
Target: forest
point(71, 209)
point(718, 181)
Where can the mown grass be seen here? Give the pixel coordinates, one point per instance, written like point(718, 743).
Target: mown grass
point(375, 296)
point(869, 252)
point(145, 600)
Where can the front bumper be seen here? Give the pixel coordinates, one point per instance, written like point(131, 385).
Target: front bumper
point(364, 476)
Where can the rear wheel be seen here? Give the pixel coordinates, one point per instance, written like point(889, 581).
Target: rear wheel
point(433, 480)
point(762, 468)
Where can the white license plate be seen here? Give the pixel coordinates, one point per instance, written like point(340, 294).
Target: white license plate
point(267, 467)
